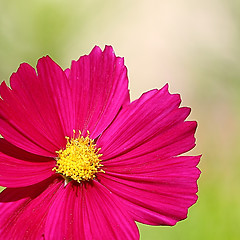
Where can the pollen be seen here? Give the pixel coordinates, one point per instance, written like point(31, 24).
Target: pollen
point(80, 160)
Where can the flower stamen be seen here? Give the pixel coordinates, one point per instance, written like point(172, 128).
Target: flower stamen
point(80, 160)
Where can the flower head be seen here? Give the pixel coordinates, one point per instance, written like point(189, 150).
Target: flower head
point(80, 161)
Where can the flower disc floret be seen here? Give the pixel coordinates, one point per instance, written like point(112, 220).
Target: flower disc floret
point(80, 160)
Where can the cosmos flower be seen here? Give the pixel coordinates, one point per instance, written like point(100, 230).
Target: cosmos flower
point(80, 161)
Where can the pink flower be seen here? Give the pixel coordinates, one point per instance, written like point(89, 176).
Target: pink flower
point(81, 162)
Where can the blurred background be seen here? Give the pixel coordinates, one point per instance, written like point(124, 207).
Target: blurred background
point(193, 45)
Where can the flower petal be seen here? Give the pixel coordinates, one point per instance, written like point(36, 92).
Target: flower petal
point(29, 117)
point(23, 211)
point(86, 212)
point(40, 110)
point(156, 192)
point(57, 87)
point(139, 156)
point(100, 88)
point(20, 168)
point(153, 123)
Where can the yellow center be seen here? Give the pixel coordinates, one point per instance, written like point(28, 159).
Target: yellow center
point(80, 160)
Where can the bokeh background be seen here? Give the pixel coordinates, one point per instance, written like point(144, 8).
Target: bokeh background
point(193, 45)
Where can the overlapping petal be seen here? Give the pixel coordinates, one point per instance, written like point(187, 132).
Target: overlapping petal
point(152, 123)
point(156, 192)
point(20, 168)
point(89, 211)
point(41, 109)
point(99, 88)
point(28, 117)
point(139, 157)
point(24, 210)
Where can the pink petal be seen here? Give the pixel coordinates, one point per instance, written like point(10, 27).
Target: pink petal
point(59, 92)
point(156, 192)
point(100, 88)
point(153, 123)
point(67, 72)
point(40, 110)
point(23, 211)
point(20, 168)
point(139, 156)
point(28, 115)
point(86, 212)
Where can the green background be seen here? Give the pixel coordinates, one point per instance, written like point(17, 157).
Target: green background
point(193, 45)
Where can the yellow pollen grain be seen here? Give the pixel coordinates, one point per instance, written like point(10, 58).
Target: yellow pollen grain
point(80, 160)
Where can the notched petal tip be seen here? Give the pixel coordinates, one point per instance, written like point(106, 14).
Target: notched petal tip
point(198, 170)
point(192, 125)
point(95, 50)
point(4, 87)
point(165, 89)
point(44, 60)
point(166, 86)
point(109, 49)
